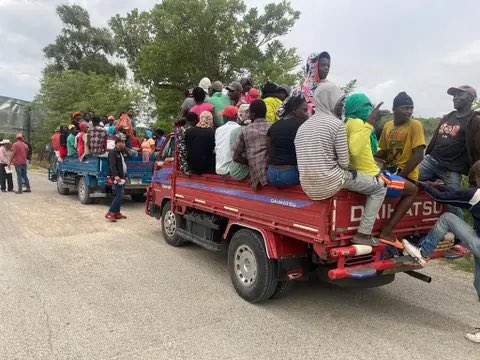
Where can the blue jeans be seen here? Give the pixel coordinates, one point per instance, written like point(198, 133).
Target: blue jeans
point(286, 177)
point(118, 199)
point(449, 222)
point(21, 171)
point(431, 171)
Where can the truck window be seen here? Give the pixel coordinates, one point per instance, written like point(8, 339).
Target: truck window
point(169, 149)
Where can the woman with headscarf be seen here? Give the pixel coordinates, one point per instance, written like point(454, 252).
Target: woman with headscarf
point(360, 117)
point(148, 146)
point(200, 145)
point(316, 72)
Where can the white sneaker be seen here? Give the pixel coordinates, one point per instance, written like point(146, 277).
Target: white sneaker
point(414, 252)
point(475, 337)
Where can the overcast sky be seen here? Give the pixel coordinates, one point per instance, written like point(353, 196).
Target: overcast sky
point(418, 46)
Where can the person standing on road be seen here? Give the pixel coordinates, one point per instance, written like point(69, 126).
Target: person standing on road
point(6, 178)
point(19, 159)
point(468, 199)
point(118, 171)
point(455, 144)
point(322, 156)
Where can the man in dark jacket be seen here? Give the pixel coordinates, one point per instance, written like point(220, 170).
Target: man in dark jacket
point(455, 145)
point(449, 223)
point(118, 171)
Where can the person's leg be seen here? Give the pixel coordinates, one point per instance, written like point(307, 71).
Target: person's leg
point(476, 282)
point(9, 182)
point(427, 169)
point(285, 177)
point(3, 177)
point(25, 177)
point(407, 198)
point(117, 200)
point(375, 190)
point(18, 171)
point(454, 180)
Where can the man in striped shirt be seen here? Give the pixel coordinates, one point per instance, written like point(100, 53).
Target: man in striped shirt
point(323, 158)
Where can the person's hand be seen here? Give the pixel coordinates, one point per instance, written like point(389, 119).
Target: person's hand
point(372, 118)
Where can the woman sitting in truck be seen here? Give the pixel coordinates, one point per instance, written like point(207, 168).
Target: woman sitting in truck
point(148, 146)
point(200, 144)
point(200, 106)
point(282, 160)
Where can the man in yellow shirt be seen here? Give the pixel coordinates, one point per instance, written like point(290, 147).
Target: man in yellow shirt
point(360, 117)
point(403, 140)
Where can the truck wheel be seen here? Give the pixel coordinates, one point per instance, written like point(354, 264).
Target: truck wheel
point(138, 197)
point(83, 191)
point(61, 188)
point(253, 274)
point(283, 287)
point(170, 222)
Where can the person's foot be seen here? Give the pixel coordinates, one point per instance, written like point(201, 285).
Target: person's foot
point(364, 239)
point(119, 215)
point(111, 216)
point(27, 190)
point(4, 190)
point(474, 337)
point(18, 192)
point(11, 190)
point(414, 252)
point(390, 240)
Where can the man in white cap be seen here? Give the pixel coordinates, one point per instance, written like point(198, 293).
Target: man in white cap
point(5, 176)
point(455, 145)
point(19, 158)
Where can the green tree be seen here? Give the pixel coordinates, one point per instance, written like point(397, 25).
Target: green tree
point(74, 90)
point(81, 46)
point(174, 45)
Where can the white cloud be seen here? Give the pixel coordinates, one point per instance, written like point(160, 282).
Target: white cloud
point(466, 56)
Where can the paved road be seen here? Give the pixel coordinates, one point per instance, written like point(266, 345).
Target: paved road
point(73, 286)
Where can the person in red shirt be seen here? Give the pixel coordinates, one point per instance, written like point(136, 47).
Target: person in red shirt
point(55, 139)
point(80, 140)
point(19, 160)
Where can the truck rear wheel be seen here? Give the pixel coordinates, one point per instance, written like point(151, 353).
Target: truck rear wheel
point(170, 222)
point(61, 188)
point(83, 191)
point(253, 274)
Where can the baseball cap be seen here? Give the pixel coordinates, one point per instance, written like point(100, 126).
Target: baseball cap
point(83, 125)
point(19, 136)
point(466, 88)
point(236, 86)
point(285, 87)
point(71, 127)
point(111, 118)
point(5, 141)
point(57, 129)
point(76, 113)
point(230, 111)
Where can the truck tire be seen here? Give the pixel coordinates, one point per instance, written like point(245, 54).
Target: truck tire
point(283, 287)
point(84, 191)
point(253, 274)
point(170, 221)
point(139, 197)
point(61, 188)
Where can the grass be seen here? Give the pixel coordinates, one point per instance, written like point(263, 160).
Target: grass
point(464, 264)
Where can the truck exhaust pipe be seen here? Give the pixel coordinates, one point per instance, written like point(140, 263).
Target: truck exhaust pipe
point(419, 276)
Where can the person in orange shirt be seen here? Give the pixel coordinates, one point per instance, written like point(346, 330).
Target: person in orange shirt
point(126, 123)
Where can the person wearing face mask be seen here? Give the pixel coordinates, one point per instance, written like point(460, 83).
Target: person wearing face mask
point(282, 161)
point(323, 158)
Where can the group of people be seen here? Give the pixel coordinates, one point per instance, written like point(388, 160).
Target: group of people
point(317, 136)
point(89, 134)
point(18, 155)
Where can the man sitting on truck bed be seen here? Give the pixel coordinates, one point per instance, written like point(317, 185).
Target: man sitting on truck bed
point(323, 158)
point(362, 143)
point(253, 140)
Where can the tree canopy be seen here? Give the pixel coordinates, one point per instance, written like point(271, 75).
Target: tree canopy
point(81, 46)
point(178, 42)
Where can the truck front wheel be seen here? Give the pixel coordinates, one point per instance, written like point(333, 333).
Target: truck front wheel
point(170, 222)
point(83, 191)
point(253, 274)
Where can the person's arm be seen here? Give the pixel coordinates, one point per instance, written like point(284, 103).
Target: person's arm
point(382, 145)
point(341, 148)
point(450, 196)
point(417, 157)
point(12, 156)
point(239, 149)
point(358, 135)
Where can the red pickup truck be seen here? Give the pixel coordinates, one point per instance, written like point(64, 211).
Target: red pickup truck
point(277, 235)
